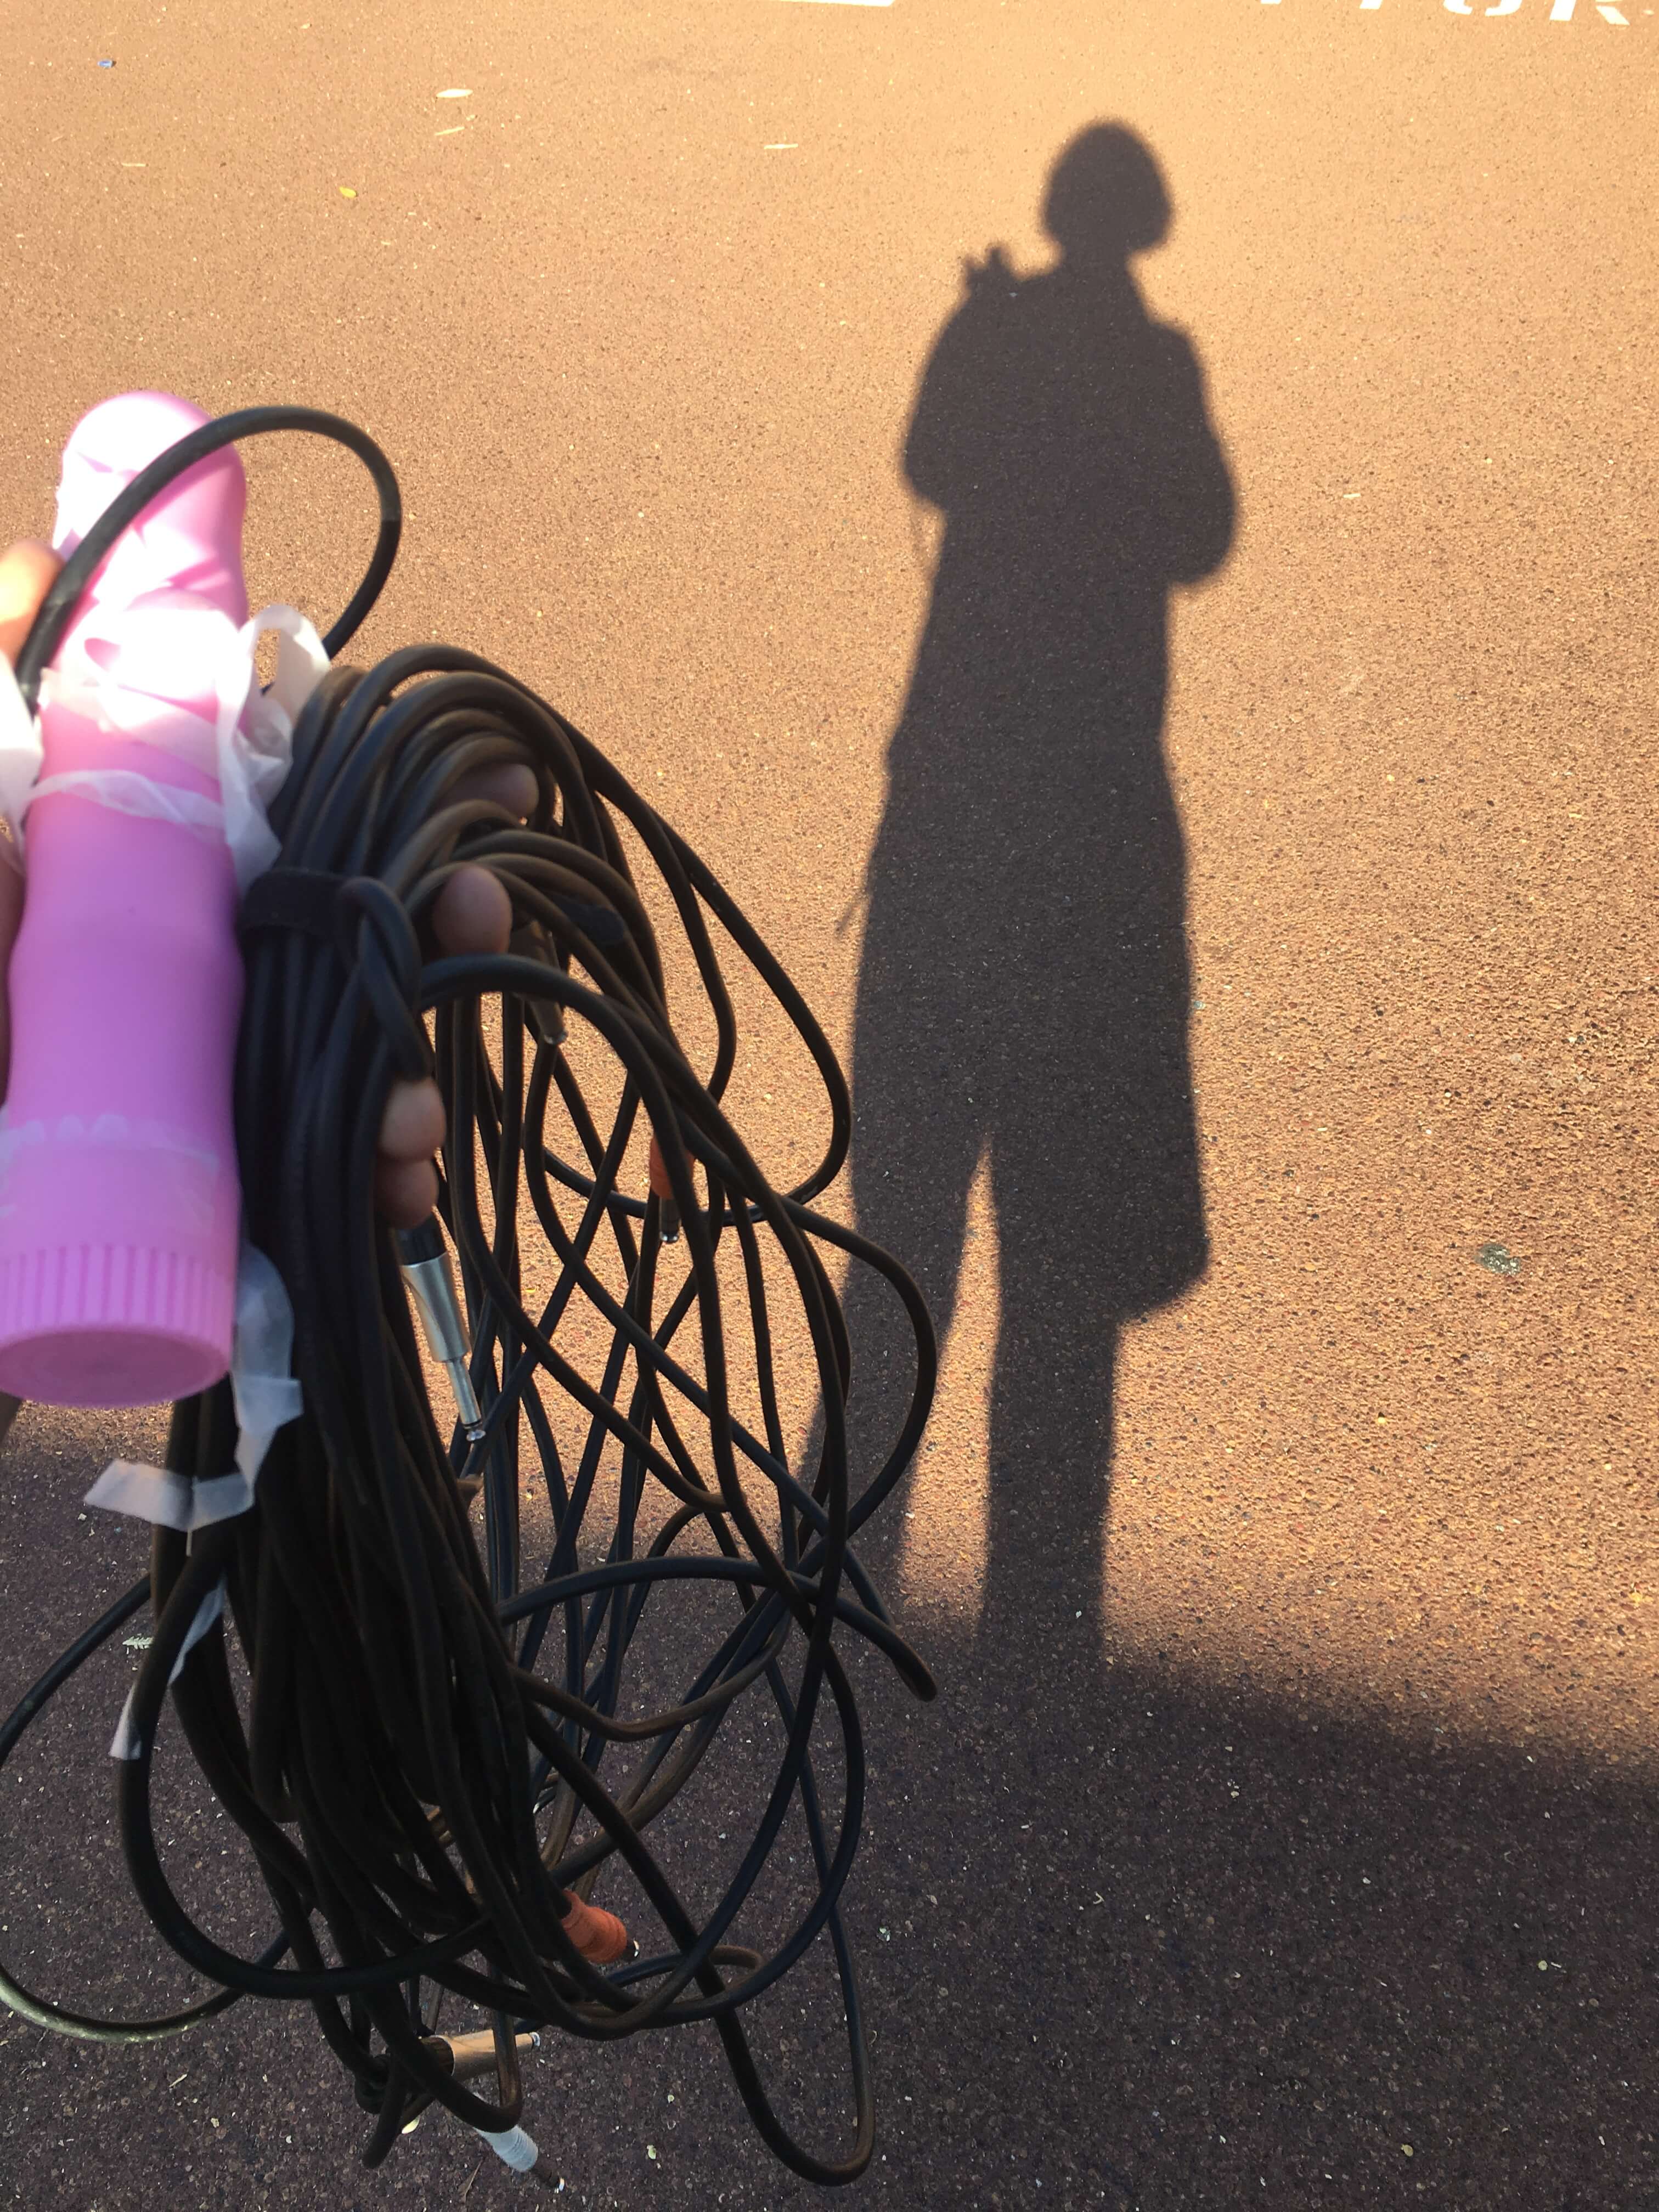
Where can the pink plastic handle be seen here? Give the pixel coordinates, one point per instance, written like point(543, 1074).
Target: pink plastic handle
point(120, 1202)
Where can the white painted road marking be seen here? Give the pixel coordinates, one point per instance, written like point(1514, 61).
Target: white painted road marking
point(1561, 11)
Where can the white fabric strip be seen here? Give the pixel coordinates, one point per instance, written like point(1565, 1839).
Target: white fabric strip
point(129, 793)
point(248, 744)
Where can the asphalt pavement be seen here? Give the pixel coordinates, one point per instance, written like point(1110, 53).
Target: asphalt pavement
point(1126, 534)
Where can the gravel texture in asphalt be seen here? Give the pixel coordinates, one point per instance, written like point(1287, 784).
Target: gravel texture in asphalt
point(1156, 628)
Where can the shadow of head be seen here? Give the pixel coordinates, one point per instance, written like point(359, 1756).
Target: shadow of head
point(1106, 198)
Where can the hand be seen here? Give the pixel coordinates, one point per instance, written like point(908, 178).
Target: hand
point(473, 914)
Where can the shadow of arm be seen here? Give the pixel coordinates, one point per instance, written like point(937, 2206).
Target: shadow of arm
point(950, 442)
point(1202, 535)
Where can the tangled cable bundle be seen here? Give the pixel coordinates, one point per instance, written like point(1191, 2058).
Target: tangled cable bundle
point(433, 1762)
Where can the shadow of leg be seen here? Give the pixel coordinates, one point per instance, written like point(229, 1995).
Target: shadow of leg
point(1051, 1431)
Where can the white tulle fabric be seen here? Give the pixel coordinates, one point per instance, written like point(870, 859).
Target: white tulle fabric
point(246, 747)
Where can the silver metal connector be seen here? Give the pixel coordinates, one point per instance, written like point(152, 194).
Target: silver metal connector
point(469, 2055)
point(424, 1258)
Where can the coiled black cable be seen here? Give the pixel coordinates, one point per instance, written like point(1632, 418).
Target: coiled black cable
point(424, 1761)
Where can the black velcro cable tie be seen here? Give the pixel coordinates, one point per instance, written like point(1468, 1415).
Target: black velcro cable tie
point(307, 900)
point(303, 899)
point(600, 924)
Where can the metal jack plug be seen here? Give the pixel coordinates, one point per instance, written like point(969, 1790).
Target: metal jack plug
point(529, 941)
point(469, 2055)
point(424, 1258)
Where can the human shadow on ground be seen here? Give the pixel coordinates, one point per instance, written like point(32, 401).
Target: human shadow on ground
point(1023, 994)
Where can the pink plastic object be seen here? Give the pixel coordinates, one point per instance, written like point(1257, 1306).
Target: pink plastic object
point(120, 1201)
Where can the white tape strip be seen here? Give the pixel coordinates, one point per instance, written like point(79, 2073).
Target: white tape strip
point(262, 1363)
point(125, 1743)
point(512, 2146)
point(266, 1397)
point(266, 1394)
point(168, 1500)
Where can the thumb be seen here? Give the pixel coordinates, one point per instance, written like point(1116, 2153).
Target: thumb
point(28, 572)
point(26, 576)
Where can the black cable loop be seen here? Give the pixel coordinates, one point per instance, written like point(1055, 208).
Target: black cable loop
point(57, 609)
point(433, 1757)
